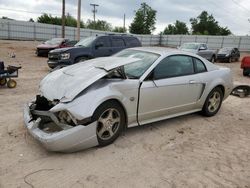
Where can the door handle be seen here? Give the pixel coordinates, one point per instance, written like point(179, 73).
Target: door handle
point(192, 82)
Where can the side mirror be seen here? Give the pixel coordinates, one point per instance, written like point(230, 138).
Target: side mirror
point(202, 48)
point(99, 45)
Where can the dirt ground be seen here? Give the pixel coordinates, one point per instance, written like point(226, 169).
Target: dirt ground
point(188, 151)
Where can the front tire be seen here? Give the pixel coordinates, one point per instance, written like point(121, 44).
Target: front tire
point(245, 72)
point(213, 60)
point(229, 60)
point(11, 83)
point(80, 59)
point(110, 119)
point(213, 102)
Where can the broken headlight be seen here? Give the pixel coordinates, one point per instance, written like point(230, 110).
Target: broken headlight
point(66, 118)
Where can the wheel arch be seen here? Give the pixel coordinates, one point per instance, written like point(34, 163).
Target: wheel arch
point(119, 103)
point(221, 87)
point(80, 56)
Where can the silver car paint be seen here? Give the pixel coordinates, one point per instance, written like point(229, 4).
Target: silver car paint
point(154, 96)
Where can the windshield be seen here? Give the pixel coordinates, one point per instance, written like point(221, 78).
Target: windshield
point(190, 46)
point(225, 50)
point(55, 41)
point(136, 69)
point(86, 42)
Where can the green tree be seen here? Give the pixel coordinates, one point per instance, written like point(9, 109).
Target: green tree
point(144, 20)
point(205, 24)
point(31, 20)
point(177, 28)
point(119, 30)
point(99, 25)
point(69, 20)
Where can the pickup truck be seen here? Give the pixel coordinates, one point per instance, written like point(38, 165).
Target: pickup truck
point(200, 49)
point(91, 47)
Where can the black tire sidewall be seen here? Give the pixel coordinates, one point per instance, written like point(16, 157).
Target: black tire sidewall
point(4, 81)
point(79, 59)
point(205, 110)
point(98, 112)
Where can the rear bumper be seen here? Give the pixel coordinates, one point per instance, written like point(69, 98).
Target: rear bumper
point(42, 52)
point(68, 140)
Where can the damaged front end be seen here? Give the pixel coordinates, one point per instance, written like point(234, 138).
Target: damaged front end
point(58, 131)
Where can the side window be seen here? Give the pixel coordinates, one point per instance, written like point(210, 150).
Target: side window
point(199, 66)
point(178, 65)
point(118, 42)
point(204, 46)
point(132, 42)
point(103, 42)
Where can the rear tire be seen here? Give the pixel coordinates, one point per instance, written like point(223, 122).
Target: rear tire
point(3, 81)
point(245, 72)
point(213, 102)
point(110, 118)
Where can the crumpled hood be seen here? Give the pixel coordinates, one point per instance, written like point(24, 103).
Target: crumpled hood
point(65, 84)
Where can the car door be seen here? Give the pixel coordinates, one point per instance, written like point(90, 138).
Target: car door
point(118, 44)
point(203, 51)
point(172, 88)
point(102, 47)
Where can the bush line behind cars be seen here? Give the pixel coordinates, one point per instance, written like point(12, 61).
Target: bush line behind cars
point(90, 103)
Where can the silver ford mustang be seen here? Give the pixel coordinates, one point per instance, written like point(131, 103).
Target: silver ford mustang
point(90, 103)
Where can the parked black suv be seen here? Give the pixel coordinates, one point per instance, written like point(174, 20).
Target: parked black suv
point(91, 47)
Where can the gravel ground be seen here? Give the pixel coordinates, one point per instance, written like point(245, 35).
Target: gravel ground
point(188, 151)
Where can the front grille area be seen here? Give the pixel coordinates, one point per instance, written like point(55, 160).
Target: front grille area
point(54, 56)
point(221, 55)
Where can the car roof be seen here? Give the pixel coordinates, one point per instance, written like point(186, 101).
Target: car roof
point(164, 51)
point(194, 43)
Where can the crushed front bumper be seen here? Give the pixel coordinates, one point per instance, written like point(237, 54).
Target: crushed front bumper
point(68, 140)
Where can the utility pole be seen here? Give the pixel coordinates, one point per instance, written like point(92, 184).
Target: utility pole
point(94, 10)
point(78, 19)
point(124, 19)
point(63, 18)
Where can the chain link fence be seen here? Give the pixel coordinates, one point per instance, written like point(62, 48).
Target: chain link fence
point(21, 30)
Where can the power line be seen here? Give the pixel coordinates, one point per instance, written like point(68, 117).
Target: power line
point(239, 5)
point(229, 13)
point(18, 10)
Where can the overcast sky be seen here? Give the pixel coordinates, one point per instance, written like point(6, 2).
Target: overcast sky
point(231, 13)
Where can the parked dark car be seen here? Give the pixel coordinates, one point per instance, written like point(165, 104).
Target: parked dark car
point(91, 47)
point(43, 49)
point(245, 65)
point(228, 54)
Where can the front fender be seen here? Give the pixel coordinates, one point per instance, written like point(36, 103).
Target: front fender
point(85, 105)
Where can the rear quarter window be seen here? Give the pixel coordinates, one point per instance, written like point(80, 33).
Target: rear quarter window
point(199, 66)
